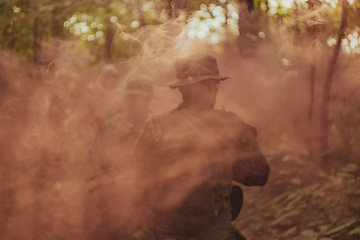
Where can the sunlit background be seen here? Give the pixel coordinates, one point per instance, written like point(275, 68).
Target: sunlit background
point(209, 23)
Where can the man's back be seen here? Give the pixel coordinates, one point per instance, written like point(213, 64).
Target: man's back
point(192, 155)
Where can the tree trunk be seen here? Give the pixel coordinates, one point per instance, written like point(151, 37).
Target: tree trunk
point(170, 8)
point(312, 90)
point(141, 13)
point(227, 42)
point(324, 114)
point(312, 97)
point(109, 36)
point(248, 28)
point(36, 45)
point(13, 40)
point(56, 24)
point(173, 7)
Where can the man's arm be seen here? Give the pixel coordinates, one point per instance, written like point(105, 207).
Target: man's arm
point(250, 167)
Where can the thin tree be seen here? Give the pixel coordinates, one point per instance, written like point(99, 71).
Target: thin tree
point(324, 114)
point(141, 13)
point(36, 45)
point(312, 96)
point(312, 89)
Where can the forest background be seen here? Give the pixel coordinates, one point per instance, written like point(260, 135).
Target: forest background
point(296, 77)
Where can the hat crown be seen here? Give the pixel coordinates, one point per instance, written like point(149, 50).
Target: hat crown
point(196, 65)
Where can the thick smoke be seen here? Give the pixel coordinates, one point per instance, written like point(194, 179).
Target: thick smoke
point(54, 183)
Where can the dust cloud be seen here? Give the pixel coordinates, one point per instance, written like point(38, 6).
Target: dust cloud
point(54, 184)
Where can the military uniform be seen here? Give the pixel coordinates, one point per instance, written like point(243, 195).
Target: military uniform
point(117, 136)
point(112, 150)
point(187, 160)
point(119, 132)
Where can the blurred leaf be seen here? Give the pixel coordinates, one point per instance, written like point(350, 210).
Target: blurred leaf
point(285, 216)
point(350, 168)
point(313, 224)
point(296, 181)
point(290, 231)
point(339, 228)
point(309, 233)
point(345, 175)
point(291, 196)
point(324, 228)
point(355, 231)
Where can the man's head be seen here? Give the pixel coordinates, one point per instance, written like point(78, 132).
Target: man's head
point(139, 90)
point(198, 80)
point(201, 95)
point(108, 78)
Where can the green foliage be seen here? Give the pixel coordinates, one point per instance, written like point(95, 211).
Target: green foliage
point(17, 19)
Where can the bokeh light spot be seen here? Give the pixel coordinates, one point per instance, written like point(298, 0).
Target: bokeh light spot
point(91, 38)
point(100, 26)
point(113, 19)
point(93, 24)
point(220, 19)
point(331, 42)
point(273, 3)
point(201, 34)
point(66, 24)
point(192, 33)
point(347, 49)
point(73, 19)
point(286, 62)
point(85, 29)
point(16, 9)
point(203, 7)
point(235, 15)
point(214, 38)
point(77, 32)
point(122, 12)
point(99, 34)
point(135, 24)
point(273, 11)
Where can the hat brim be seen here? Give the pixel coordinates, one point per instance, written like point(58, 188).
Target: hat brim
point(194, 79)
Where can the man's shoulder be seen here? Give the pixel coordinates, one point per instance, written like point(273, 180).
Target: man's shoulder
point(227, 119)
point(157, 118)
point(233, 120)
point(215, 115)
point(228, 116)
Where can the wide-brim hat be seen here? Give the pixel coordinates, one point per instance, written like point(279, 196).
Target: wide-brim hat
point(196, 68)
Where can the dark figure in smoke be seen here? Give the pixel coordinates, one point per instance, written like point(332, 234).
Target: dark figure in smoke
point(114, 144)
point(87, 118)
point(119, 133)
point(101, 106)
point(188, 158)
